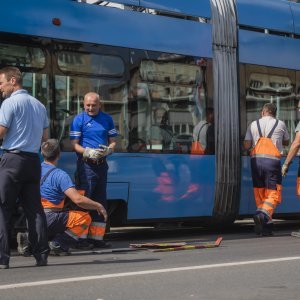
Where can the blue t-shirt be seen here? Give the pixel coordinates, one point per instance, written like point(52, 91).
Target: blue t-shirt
point(55, 184)
point(25, 119)
point(92, 131)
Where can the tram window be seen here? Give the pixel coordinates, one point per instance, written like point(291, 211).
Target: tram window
point(168, 100)
point(265, 84)
point(37, 85)
point(69, 94)
point(21, 56)
point(94, 64)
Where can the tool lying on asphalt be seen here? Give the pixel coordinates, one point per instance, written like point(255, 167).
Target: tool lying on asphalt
point(295, 233)
point(191, 247)
point(156, 247)
point(164, 247)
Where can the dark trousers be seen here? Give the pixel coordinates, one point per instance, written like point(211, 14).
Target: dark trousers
point(57, 224)
point(20, 180)
point(93, 179)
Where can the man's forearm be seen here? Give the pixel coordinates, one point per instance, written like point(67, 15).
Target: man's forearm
point(292, 153)
point(77, 148)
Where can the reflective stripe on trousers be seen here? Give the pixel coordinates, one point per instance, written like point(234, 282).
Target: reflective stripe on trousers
point(73, 223)
point(97, 231)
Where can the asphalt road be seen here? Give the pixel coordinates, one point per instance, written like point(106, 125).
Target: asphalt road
point(242, 267)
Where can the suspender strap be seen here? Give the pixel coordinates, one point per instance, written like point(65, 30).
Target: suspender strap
point(272, 131)
point(200, 131)
point(46, 175)
point(259, 129)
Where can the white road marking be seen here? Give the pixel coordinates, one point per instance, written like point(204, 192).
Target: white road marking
point(147, 272)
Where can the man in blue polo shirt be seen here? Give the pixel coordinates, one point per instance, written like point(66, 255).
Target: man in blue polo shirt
point(23, 125)
point(92, 136)
point(65, 226)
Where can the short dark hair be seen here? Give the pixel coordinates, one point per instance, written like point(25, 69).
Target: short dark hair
point(50, 149)
point(270, 108)
point(10, 72)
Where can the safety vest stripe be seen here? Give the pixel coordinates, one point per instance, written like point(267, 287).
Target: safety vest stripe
point(72, 234)
point(265, 156)
point(97, 231)
point(269, 204)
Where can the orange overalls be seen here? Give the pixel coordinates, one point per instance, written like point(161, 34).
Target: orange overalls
point(74, 223)
point(266, 173)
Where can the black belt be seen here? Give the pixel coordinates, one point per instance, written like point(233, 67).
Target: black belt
point(94, 161)
point(15, 151)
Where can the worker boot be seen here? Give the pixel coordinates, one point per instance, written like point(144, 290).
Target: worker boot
point(57, 250)
point(100, 244)
point(259, 223)
point(268, 229)
point(263, 224)
point(83, 244)
point(24, 247)
point(41, 260)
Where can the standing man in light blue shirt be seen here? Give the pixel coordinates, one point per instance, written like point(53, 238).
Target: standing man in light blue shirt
point(23, 126)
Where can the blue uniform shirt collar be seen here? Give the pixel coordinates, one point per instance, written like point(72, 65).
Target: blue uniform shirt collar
point(89, 118)
point(21, 91)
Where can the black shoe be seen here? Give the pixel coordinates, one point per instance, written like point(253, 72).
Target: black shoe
point(41, 262)
point(57, 250)
point(101, 244)
point(84, 245)
point(2, 267)
point(23, 244)
point(268, 229)
point(259, 222)
point(41, 259)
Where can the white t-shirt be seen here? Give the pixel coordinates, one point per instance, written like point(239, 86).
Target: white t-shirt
point(266, 123)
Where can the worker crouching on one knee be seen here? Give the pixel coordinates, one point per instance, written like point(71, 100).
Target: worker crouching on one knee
point(65, 226)
point(267, 137)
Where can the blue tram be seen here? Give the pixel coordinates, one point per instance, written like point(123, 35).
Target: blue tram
point(182, 59)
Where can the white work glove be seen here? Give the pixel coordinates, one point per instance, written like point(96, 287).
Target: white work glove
point(105, 150)
point(91, 153)
point(284, 169)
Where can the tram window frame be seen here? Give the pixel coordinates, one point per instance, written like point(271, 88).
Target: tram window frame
point(113, 82)
point(16, 40)
point(18, 63)
point(68, 69)
point(139, 130)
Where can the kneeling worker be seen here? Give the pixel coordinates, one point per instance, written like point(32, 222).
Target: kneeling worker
point(65, 227)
